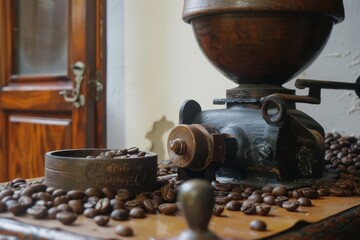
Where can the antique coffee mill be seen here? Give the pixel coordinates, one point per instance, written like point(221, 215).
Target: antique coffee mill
point(260, 136)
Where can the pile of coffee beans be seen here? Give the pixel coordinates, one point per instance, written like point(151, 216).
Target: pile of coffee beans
point(132, 152)
point(35, 199)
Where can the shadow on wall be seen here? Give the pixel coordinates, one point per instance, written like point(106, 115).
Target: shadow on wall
point(156, 134)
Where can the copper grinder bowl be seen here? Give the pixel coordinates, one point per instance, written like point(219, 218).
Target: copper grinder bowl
point(262, 41)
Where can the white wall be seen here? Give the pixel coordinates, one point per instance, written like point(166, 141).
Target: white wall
point(154, 64)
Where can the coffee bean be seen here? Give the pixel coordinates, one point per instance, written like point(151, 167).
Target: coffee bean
point(233, 205)
point(26, 201)
point(137, 213)
point(42, 196)
point(248, 208)
point(220, 200)
point(168, 208)
point(117, 204)
point(58, 193)
point(60, 200)
point(279, 191)
point(303, 201)
point(133, 204)
point(6, 192)
point(167, 192)
point(64, 208)
point(120, 215)
point(267, 189)
point(16, 208)
point(124, 195)
point(66, 218)
point(76, 206)
point(51, 212)
point(234, 196)
point(280, 199)
point(91, 192)
point(124, 231)
point(263, 209)
point(258, 225)
point(217, 210)
point(38, 212)
point(132, 150)
point(150, 205)
point(109, 192)
point(337, 192)
point(310, 193)
point(270, 199)
point(103, 206)
point(101, 220)
point(290, 205)
point(255, 198)
point(90, 212)
point(76, 194)
point(323, 192)
point(38, 187)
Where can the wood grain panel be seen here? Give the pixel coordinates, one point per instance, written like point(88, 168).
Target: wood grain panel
point(30, 138)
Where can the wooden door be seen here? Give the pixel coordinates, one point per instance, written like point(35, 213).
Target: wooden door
point(40, 41)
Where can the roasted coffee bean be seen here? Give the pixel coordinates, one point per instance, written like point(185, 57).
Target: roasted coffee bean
point(91, 192)
point(167, 192)
point(310, 193)
point(137, 213)
point(303, 201)
point(103, 206)
point(64, 208)
point(26, 201)
point(234, 196)
point(38, 187)
point(223, 187)
point(120, 215)
point(38, 212)
point(217, 210)
point(132, 204)
point(150, 205)
point(90, 212)
point(124, 231)
point(141, 154)
point(121, 152)
point(168, 208)
point(279, 191)
point(42, 196)
point(255, 198)
point(337, 192)
point(17, 209)
point(27, 191)
point(117, 204)
point(6, 192)
point(66, 218)
point(51, 212)
point(233, 205)
point(58, 193)
point(101, 220)
point(124, 195)
point(270, 199)
point(221, 200)
point(50, 190)
point(76, 194)
point(297, 193)
point(133, 150)
point(109, 192)
point(267, 188)
point(60, 200)
point(109, 154)
point(76, 206)
point(248, 208)
point(263, 209)
point(280, 199)
point(323, 192)
point(290, 205)
point(258, 225)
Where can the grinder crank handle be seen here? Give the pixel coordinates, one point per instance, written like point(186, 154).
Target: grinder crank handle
point(315, 87)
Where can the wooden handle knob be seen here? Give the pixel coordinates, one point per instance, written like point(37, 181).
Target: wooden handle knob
point(197, 198)
point(178, 146)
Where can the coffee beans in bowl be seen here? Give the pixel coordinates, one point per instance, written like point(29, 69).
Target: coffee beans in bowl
point(130, 169)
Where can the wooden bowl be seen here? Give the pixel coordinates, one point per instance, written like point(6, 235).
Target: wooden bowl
point(71, 169)
point(263, 41)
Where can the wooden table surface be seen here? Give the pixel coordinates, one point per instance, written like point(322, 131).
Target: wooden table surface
point(233, 225)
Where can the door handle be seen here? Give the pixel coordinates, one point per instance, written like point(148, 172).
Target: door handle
point(73, 95)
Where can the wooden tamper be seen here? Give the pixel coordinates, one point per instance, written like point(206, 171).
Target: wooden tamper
point(197, 198)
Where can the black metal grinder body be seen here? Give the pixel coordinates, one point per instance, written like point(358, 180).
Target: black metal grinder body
point(248, 140)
